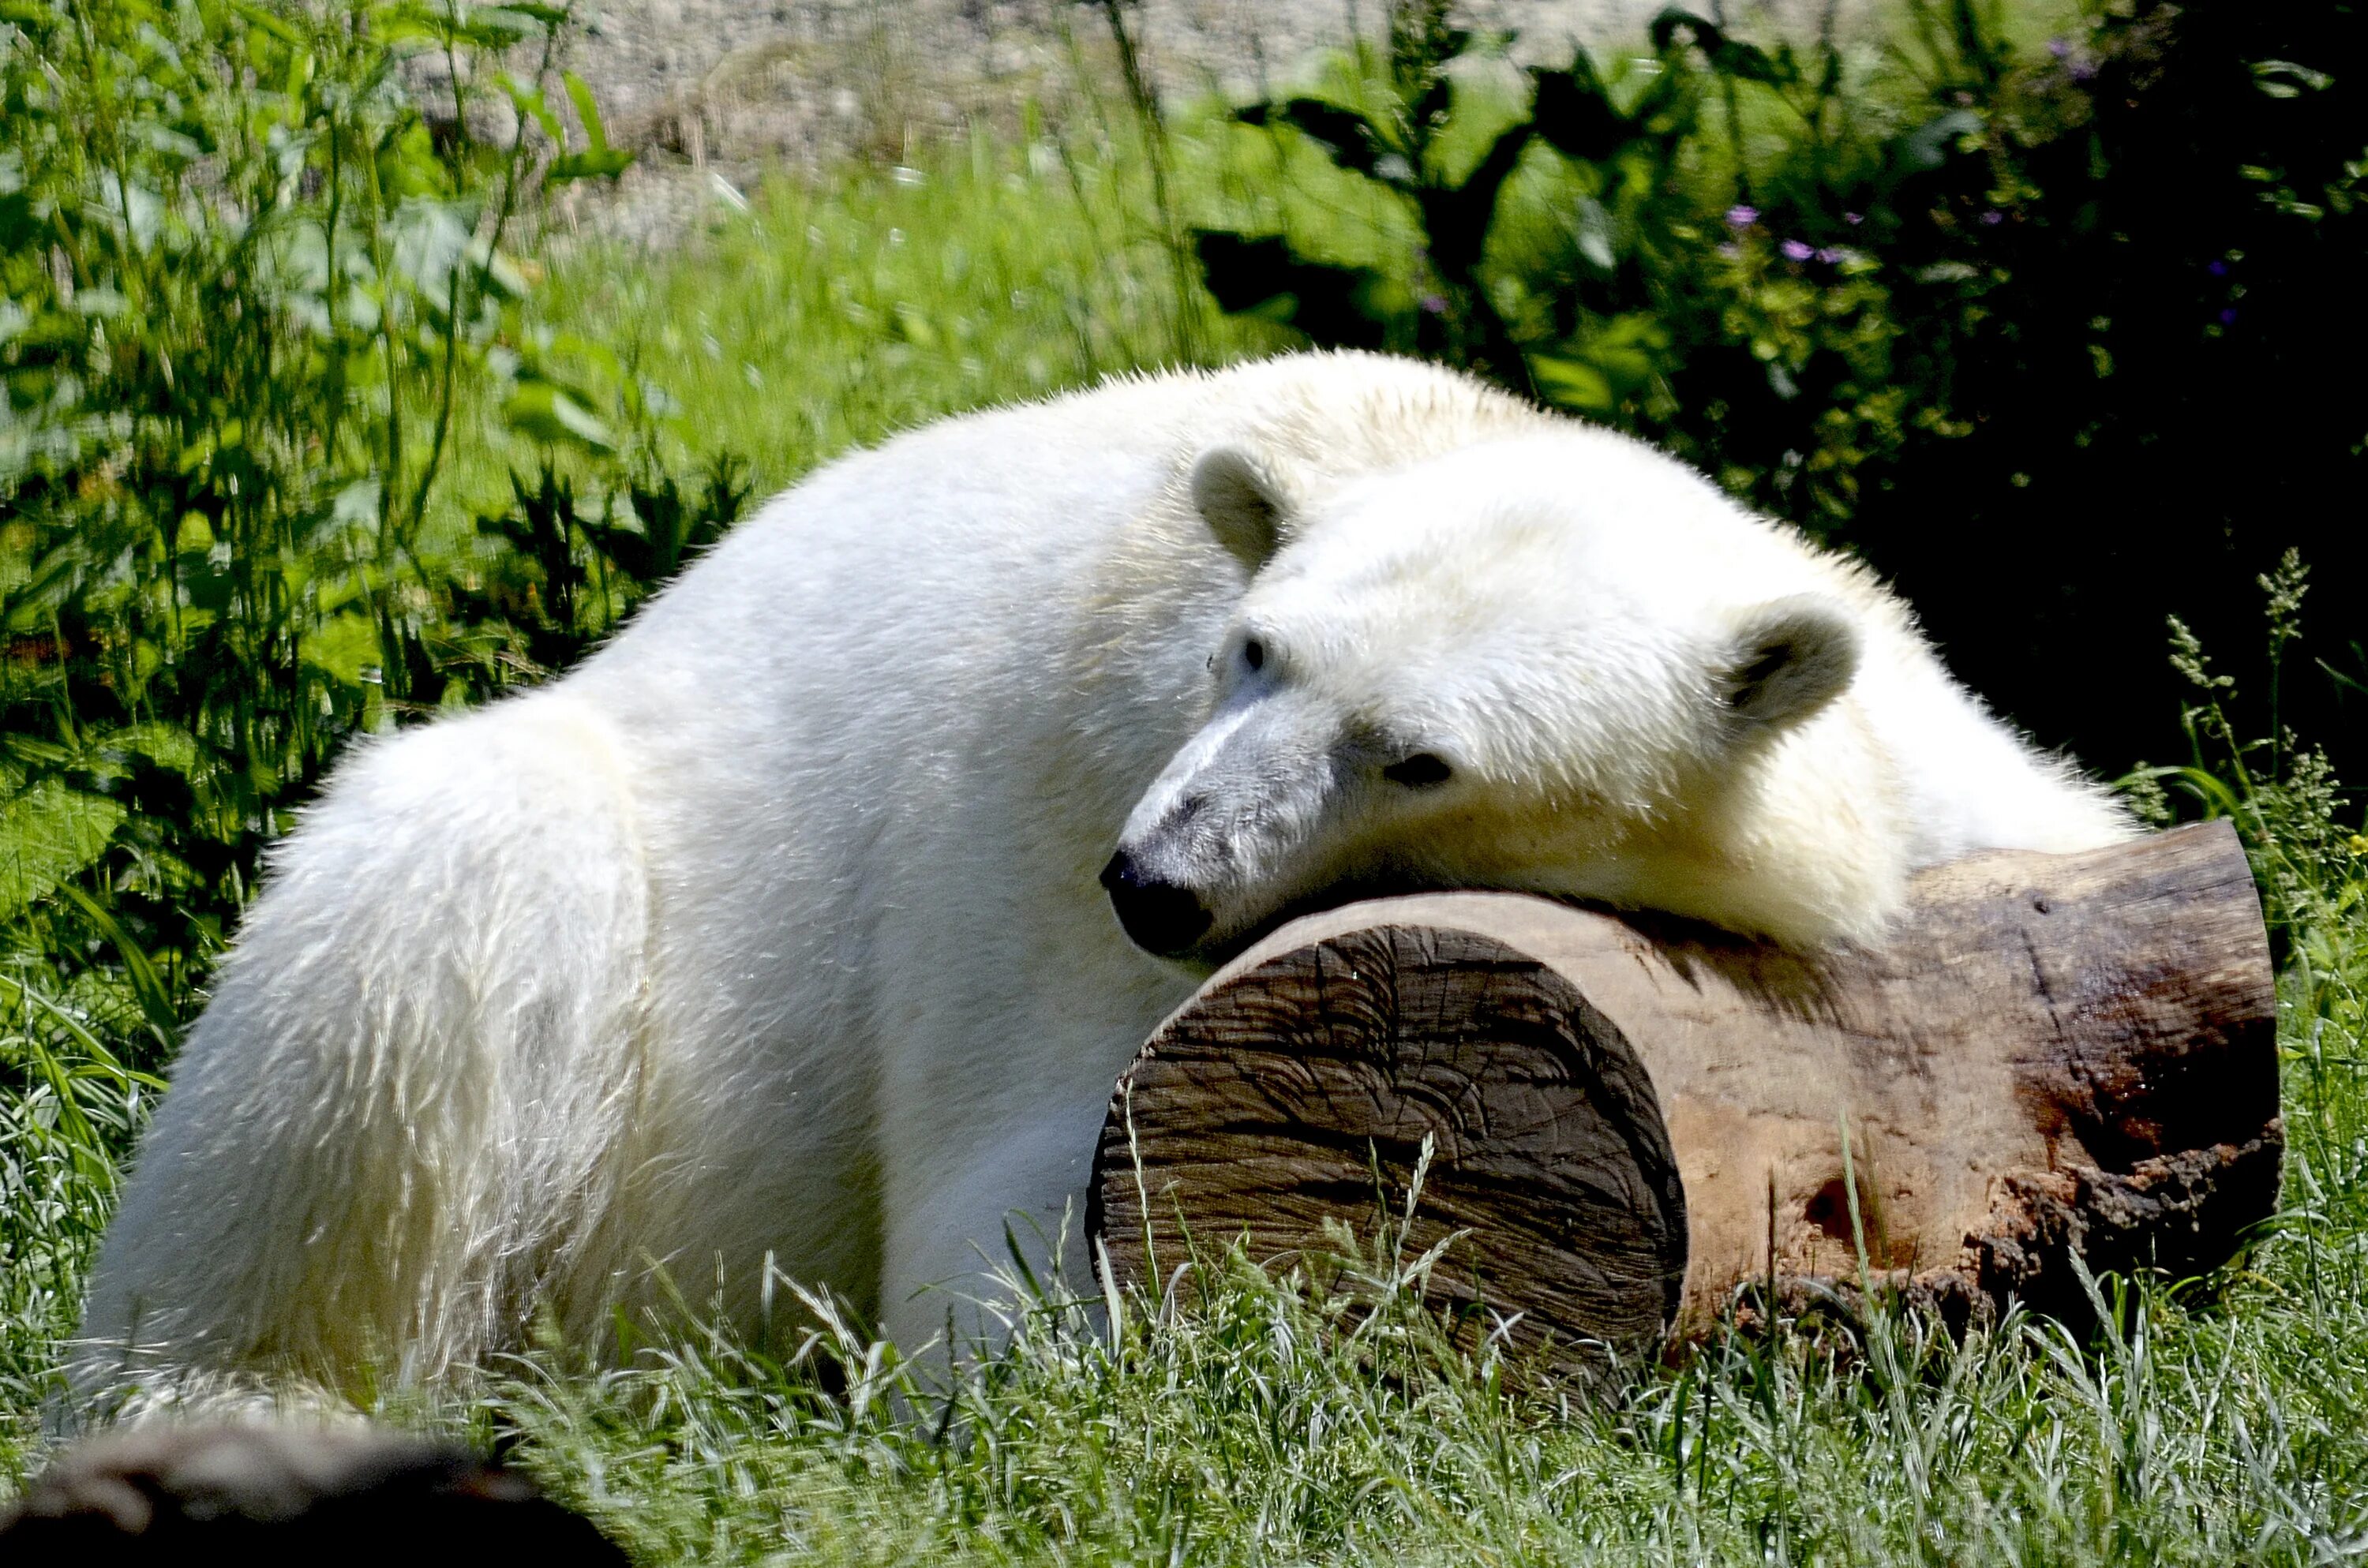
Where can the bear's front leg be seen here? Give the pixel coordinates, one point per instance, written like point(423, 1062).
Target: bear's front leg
point(958, 1210)
point(995, 1076)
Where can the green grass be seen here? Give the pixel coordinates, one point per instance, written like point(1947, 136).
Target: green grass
point(837, 314)
point(1245, 1427)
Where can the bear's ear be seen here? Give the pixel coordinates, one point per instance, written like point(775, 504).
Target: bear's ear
point(1787, 659)
point(1242, 500)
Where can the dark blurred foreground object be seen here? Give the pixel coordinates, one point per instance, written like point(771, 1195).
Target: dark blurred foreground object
point(1636, 1127)
point(267, 1495)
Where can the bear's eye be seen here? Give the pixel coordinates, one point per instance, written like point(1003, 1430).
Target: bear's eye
point(1421, 771)
point(1253, 654)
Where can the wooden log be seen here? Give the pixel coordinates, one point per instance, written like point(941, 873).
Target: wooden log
point(1633, 1120)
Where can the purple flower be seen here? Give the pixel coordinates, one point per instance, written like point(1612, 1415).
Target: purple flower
point(1741, 217)
point(1832, 255)
point(1732, 251)
point(2228, 317)
point(1992, 215)
point(2218, 270)
point(2084, 72)
point(1796, 250)
point(1435, 303)
point(2058, 47)
point(1853, 219)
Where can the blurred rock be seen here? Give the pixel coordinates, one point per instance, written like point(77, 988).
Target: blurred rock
point(267, 1494)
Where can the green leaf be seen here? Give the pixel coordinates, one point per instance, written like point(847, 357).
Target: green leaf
point(147, 986)
point(1626, 347)
point(598, 160)
point(262, 20)
point(1571, 383)
point(1457, 218)
point(600, 357)
point(1574, 113)
point(2284, 79)
point(588, 111)
point(1261, 275)
point(1727, 56)
point(912, 323)
point(604, 165)
point(51, 581)
point(541, 412)
point(494, 28)
point(1928, 145)
point(403, 24)
point(48, 834)
point(1351, 140)
point(169, 747)
point(530, 100)
point(343, 646)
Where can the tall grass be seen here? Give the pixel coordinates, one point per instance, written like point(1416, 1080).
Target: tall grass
point(837, 311)
point(1245, 1419)
point(62, 1138)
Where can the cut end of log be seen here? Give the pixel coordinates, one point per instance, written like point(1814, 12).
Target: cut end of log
point(1304, 1088)
point(2054, 1056)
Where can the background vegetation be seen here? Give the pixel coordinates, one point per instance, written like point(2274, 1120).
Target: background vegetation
point(312, 425)
point(2058, 339)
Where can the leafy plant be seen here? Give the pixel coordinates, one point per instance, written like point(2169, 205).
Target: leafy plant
point(566, 577)
point(252, 281)
point(1394, 127)
point(1969, 317)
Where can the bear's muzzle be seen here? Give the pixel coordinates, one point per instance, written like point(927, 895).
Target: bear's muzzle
point(1161, 917)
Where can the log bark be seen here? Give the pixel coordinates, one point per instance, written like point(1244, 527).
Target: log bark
point(1636, 1122)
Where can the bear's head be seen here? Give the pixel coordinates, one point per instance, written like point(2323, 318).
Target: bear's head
point(1557, 662)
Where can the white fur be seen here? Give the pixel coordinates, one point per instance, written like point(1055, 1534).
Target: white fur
point(775, 929)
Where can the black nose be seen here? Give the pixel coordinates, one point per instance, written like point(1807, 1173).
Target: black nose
point(1159, 916)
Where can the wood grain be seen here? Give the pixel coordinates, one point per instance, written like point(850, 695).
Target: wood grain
point(1635, 1119)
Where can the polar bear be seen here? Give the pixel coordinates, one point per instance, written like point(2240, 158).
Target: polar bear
point(811, 920)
